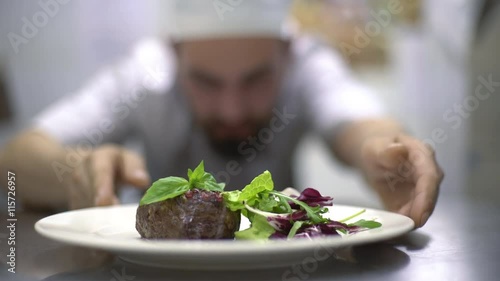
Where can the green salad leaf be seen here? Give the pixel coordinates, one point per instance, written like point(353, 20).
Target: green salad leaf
point(232, 200)
point(253, 194)
point(260, 229)
point(314, 213)
point(366, 224)
point(267, 203)
point(171, 187)
point(262, 182)
point(295, 228)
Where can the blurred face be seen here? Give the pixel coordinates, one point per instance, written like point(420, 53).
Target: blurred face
point(232, 84)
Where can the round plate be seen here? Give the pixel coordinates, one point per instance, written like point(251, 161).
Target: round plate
point(113, 229)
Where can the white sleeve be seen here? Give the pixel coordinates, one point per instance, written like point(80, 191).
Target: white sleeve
point(102, 111)
point(89, 115)
point(332, 95)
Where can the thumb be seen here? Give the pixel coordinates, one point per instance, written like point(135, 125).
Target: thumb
point(133, 170)
point(392, 155)
point(382, 151)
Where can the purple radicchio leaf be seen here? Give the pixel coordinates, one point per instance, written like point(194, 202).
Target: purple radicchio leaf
point(284, 223)
point(313, 198)
point(336, 225)
point(318, 230)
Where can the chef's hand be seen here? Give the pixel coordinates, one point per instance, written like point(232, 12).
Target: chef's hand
point(95, 180)
point(404, 173)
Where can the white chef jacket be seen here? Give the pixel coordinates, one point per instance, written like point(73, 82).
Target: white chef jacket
point(140, 97)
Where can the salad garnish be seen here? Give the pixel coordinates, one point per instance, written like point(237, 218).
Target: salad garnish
point(274, 215)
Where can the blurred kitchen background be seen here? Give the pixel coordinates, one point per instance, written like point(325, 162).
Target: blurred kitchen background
point(416, 59)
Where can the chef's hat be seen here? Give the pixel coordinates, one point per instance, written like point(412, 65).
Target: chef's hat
point(203, 19)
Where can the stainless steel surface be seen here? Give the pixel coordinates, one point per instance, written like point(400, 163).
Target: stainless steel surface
point(460, 242)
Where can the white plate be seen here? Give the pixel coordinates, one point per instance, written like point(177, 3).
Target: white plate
point(113, 229)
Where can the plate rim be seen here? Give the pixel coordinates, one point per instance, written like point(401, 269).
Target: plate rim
point(213, 247)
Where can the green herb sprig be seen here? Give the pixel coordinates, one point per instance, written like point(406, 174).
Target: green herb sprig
point(171, 187)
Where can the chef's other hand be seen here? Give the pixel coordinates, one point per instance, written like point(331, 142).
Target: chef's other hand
point(95, 181)
point(404, 173)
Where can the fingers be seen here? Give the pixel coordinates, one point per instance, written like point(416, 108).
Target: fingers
point(392, 155)
point(102, 166)
point(405, 174)
point(425, 199)
point(384, 154)
point(94, 182)
point(80, 191)
point(133, 170)
point(428, 177)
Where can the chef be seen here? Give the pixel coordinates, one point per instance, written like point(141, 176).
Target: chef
point(233, 85)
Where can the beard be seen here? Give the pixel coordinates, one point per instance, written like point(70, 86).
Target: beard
point(228, 149)
point(226, 141)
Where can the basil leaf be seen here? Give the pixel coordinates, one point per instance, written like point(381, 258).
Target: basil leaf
point(366, 224)
point(207, 182)
point(198, 172)
point(260, 229)
point(203, 180)
point(165, 188)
